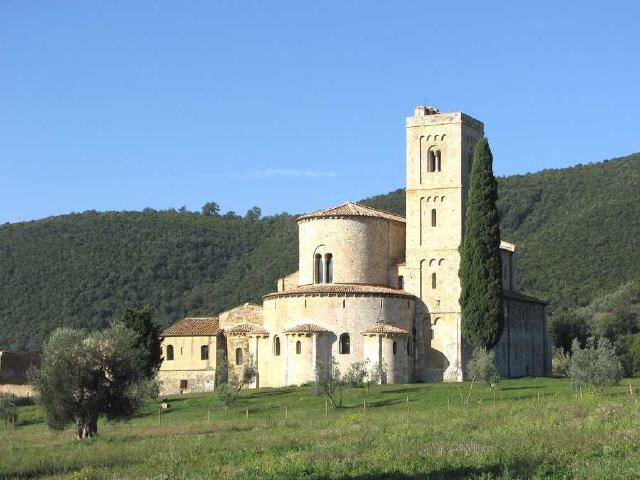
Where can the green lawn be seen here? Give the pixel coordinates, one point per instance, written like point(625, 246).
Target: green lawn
point(538, 428)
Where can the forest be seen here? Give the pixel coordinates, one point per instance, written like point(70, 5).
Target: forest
point(576, 228)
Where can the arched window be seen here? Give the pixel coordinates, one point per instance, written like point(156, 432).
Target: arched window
point(344, 346)
point(394, 347)
point(169, 352)
point(328, 268)
point(431, 162)
point(434, 217)
point(276, 346)
point(317, 268)
point(239, 356)
point(433, 280)
point(298, 347)
point(204, 352)
point(438, 156)
point(401, 282)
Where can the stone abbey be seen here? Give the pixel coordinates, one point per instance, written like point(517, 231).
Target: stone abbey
point(371, 287)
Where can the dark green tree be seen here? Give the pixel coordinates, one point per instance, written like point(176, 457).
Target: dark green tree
point(211, 209)
point(480, 262)
point(148, 334)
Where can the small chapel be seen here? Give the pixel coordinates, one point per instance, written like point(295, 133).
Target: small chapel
point(372, 287)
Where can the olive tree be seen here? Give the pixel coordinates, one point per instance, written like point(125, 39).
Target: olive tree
point(85, 376)
point(596, 365)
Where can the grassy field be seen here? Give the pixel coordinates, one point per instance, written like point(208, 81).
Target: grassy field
point(538, 428)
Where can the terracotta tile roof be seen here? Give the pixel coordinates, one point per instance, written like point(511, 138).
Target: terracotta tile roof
point(340, 288)
point(306, 328)
point(247, 329)
point(192, 326)
point(350, 209)
point(385, 328)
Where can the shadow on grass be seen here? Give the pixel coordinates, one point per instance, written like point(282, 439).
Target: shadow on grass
point(406, 389)
point(376, 403)
point(521, 468)
point(270, 393)
point(51, 470)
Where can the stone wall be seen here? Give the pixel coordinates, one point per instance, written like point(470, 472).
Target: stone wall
point(339, 314)
point(15, 365)
point(524, 348)
point(363, 248)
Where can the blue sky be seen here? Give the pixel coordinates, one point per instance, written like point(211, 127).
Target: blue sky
point(294, 106)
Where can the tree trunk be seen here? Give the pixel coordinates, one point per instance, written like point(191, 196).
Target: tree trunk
point(86, 428)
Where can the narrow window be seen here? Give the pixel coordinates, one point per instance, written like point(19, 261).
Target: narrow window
point(238, 356)
point(344, 304)
point(317, 268)
point(183, 384)
point(438, 161)
point(169, 352)
point(298, 347)
point(204, 352)
point(344, 347)
point(276, 346)
point(394, 347)
point(328, 266)
point(433, 217)
point(433, 280)
point(431, 162)
point(409, 342)
point(401, 282)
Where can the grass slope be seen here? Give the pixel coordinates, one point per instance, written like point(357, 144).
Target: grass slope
point(577, 231)
point(538, 428)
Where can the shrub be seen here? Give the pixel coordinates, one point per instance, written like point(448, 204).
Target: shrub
point(329, 382)
point(482, 366)
point(560, 362)
point(596, 365)
point(8, 410)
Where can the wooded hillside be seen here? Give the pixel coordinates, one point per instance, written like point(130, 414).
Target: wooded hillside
point(577, 230)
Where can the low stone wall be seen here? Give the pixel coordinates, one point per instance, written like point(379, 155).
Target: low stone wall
point(184, 381)
point(17, 390)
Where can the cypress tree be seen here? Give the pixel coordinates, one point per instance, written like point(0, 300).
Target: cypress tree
point(480, 261)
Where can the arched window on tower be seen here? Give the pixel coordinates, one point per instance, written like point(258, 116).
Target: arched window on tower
point(394, 347)
point(434, 216)
point(438, 156)
point(317, 268)
point(433, 280)
point(276, 346)
point(169, 352)
point(431, 161)
point(298, 347)
point(239, 356)
point(344, 347)
point(328, 268)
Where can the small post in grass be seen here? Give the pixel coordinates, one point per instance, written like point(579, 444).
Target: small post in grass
point(247, 412)
point(630, 389)
point(448, 403)
point(326, 409)
point(364, 407)
point(208, 415)
point(407, 404)
point(159, 416)
point(286, 413)
point(538, 398)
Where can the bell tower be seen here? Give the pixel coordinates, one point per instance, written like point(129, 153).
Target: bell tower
point(439, 149)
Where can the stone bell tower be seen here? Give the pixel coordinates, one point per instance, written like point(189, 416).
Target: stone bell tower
point(439, 155)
